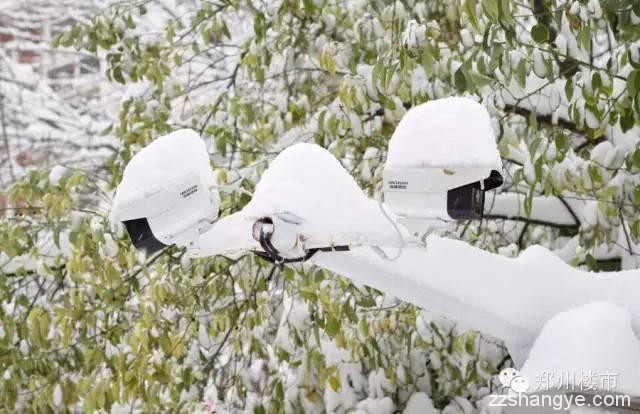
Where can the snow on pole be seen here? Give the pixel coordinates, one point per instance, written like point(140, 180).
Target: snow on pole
point(509, 298)
point(588, 348)
point(306, 184)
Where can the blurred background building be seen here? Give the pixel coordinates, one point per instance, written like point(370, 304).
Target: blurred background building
point(52, 100)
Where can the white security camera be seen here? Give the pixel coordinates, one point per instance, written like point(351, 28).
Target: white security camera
point(167, 194)
point(176, 214)
point(442, 158)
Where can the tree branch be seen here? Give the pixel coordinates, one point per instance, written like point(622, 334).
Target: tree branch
point(522, 219)
point(544, 119)
point(7, 148)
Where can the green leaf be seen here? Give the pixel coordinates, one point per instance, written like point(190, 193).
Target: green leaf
point(427, 63)
point(506, 17)
point(490, 7)
point(349, 312)
point(469, 8)
point(225, 30)
point(562, 143)
point(568, 89)
point(540, 33)
point(117, 75)
point(334, 382)
point(635, 229)
point(584, 36)
point(279, 391)
point(533, 120)
point(627, 121)
point(479, 80)
point(460, 80)
point(596, 81)
point(332, 326)
point(363, 328)
point(528, 203)
point(633, 82)
point(259, 26)
point(636, 196)
point(309, 7)
point(470, 344)
point(521, 73)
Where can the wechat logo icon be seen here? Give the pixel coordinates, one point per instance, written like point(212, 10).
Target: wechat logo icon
point(511, 378)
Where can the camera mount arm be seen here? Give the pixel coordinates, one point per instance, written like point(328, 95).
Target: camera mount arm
point(263, 232)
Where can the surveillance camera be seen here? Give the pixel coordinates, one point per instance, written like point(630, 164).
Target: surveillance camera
point(437, 193)
point(175, 214)
point(442, 159)
point(167, 194)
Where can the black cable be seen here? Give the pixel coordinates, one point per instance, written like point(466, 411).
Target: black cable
point(272, 254)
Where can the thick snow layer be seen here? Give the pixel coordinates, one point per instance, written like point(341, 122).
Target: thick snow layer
point(161, 162)
point(375, 406)
point(419, 403)
point(596, 340)
point(449, 132)
point(57, 173)
point(509, 298)
point(306, 181)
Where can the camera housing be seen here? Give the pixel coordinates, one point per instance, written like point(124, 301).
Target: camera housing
point(168, 194)
point(442, 158)
point(438, 193)
point(175, 214)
